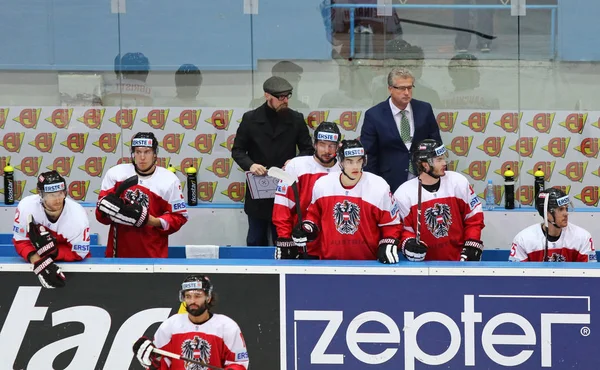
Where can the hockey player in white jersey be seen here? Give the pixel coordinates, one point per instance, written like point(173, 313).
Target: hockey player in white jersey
point(354, 213)
point(308, 170)
point(560, 241)
point(51, 227)
point(451, 218)
point(143, 217)
point(198, 334)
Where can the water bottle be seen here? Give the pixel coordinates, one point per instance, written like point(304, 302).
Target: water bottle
point(172, 169)
point(509, 189)
point(538, 184)
point(192, 184)
point(9, 184)
point(490, 201)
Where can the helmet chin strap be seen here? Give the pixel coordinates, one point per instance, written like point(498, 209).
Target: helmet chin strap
point(553, 223)
point(348, 176)
point(135, 167)
point(431, 172)
point(52, 215)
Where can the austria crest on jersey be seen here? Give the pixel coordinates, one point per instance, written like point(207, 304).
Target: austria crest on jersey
point(346, 216)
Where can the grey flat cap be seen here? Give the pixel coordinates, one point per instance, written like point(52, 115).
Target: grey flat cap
point(277, 85)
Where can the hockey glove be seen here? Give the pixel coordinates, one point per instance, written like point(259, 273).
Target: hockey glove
point(142, 349)
point(286, 249)
point(49, 273)
point(131, 215)
point(44, 243)
point(414, 251)
point(306, 232)
point(472, 250)
point(387, 252)
point(110, 205)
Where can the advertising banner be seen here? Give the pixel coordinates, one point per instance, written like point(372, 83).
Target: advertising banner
point(355, 322)
point(92, 323)
point(82, 143)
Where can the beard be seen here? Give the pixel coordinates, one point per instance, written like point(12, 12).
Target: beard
point(196, 311)
point(282, 109)
point(320, 158)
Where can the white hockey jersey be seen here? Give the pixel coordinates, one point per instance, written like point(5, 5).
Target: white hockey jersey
point(449, 216)
point(71, 230)
point(308, 170)
point(218, 342)
point(352, 221)
point(161, 193)
point(574, 245)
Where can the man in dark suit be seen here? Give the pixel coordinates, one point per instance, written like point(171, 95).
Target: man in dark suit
point(268, 136)
point(391, 127)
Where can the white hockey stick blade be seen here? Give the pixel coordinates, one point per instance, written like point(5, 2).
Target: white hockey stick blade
point(280, 174)
point(179, 357)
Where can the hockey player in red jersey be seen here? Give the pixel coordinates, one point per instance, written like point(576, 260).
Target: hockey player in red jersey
point(451, 217)
point(50, 227)
point(308, 170)
point(354, 213)
point(146, 213)
point(560, 241)
point(199, 334)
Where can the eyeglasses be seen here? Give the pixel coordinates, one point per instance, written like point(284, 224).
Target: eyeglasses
point(402, 88)
point(282, 97)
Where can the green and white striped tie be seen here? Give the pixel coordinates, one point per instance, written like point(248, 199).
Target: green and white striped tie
point(405, 135)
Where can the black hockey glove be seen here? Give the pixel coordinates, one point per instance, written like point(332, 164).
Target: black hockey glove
point(142, 349)
point(110, 205)
point(286, 249)
point(44, 243)
point(472, 250)
point(49, 273)
point(131, 214)
point(414, 251)
point(306, 232)
point(387, 252)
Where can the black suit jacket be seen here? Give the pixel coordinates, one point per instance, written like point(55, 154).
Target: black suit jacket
point(257, 141)
point(387, 155)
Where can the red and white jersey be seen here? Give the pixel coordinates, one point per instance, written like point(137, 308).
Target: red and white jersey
point(449, 216)
point(161, 194)
point(127, 93)
point(218, 342)
point(71, 230)
point(574, 245)
point(308, 170)
point(352, 221)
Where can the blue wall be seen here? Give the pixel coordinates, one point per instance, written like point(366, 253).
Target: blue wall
point(84, 35)
point(578, 30)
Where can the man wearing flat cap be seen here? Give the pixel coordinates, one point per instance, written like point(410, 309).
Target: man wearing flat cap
point(292, 72)
point(269, 135)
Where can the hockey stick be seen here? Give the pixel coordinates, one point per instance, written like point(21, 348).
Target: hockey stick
point(292, 181)
point(546, 200)
point(129, 182)
point(419, 211)
point(186, 359)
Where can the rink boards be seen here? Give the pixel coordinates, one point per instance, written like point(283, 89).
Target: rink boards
point(313, 315)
